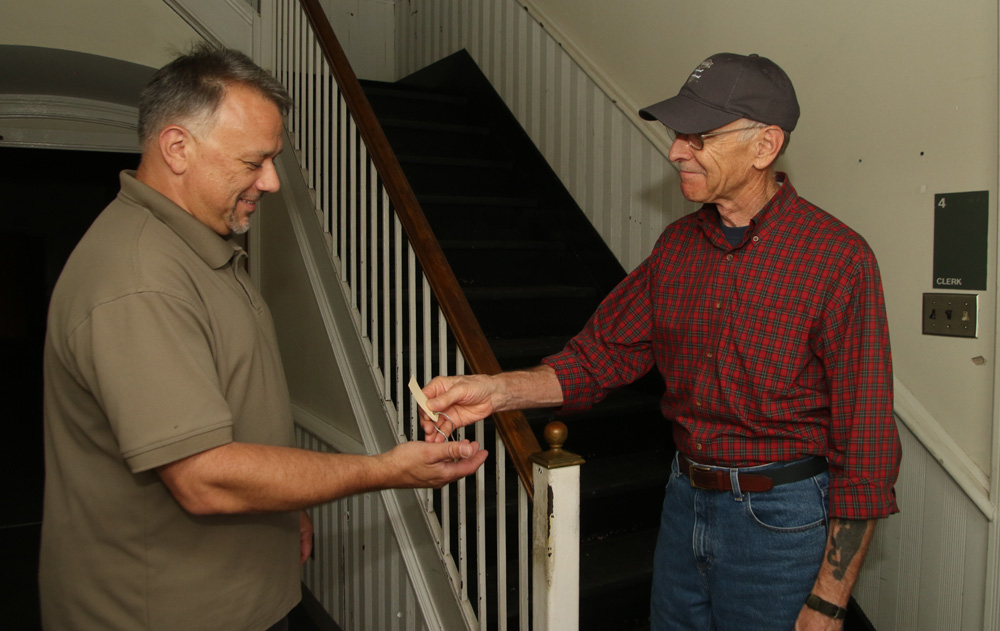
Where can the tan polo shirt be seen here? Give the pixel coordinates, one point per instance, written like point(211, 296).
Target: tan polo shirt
point(158, 347)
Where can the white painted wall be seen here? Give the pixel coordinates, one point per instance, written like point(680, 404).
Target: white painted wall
point(365, 29)
point(899, 102)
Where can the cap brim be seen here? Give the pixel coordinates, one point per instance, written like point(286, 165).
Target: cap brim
point(686, 115)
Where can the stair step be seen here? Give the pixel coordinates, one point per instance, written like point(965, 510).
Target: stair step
point(455, 162)
point(468, 200)
point(528, 293)
point(628, 421)
point(418, 141)
point(624, 402)
point(501, 244)
point(453, 128)
point(616, 563)
point(432, 177)
point(609, 476)
point(529, 349)
point(464, 221)
point(390, 91)
point(616, 577)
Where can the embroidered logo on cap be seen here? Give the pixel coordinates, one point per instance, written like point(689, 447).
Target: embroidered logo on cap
point(702, 67)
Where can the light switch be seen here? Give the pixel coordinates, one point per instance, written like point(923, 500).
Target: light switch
point(951, 314)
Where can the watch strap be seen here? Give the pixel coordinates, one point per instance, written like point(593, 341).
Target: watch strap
point(825, 607)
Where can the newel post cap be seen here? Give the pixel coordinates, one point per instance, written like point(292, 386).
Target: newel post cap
point(555, 435)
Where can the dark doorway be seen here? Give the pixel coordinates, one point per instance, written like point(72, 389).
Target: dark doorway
point(49, 199)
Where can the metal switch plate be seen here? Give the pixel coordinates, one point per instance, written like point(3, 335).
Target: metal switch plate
point(951, 314)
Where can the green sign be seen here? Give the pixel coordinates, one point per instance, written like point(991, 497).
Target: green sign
point(961, 229)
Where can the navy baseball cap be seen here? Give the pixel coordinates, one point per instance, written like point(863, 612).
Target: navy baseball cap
point(724, 88)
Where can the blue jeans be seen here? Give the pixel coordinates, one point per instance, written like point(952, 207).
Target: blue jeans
point(728, 561)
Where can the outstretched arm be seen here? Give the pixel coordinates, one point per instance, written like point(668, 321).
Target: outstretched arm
point(846, 548)
point(251, 478)
point(470, 398)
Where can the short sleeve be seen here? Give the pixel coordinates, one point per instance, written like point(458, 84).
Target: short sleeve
point(150, 363)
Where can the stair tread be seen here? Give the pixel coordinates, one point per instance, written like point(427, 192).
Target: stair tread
point(457, 162)
point(616, 562)
point(620, 403)
point(520, 345)
point(484, 200)
point(602, 477)
point(391, 91)
point(520, 292)
point(457, 128)
point(500, 244)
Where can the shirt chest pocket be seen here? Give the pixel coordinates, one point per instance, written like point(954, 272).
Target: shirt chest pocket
point(770, 339)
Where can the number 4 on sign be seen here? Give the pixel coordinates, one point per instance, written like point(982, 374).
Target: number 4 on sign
point(941, 203)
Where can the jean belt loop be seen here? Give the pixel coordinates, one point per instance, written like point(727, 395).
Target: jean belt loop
point(734, 478)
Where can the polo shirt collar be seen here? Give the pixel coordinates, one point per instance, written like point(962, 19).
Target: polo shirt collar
point(215, 250)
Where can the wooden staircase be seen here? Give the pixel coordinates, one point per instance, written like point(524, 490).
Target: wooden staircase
point(534, 269)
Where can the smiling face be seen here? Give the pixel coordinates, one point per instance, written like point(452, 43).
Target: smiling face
point(232, 161)
point(720, 172)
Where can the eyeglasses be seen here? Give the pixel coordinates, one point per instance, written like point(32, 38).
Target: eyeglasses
point(697, 141)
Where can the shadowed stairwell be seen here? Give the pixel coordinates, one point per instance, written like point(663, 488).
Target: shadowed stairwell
point(534, 269)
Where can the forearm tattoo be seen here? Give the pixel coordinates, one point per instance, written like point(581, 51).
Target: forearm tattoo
point(845, 541)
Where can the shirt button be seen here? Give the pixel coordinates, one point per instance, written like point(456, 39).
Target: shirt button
point(718, 305)
point(697, 404)
point(708, 354)
point(698, 446)
point(755, 239)
point(729, 257)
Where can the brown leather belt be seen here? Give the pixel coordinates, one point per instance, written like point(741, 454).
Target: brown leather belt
point(717, 479)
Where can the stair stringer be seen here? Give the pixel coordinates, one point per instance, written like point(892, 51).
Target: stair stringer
point(413, 528)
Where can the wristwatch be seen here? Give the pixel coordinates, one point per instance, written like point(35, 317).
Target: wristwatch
point(825, 607)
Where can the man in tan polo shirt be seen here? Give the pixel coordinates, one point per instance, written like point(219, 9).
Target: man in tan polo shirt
point(174, 498)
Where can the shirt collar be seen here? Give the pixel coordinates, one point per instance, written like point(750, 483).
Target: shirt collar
point(215, 250)
point(760, 224)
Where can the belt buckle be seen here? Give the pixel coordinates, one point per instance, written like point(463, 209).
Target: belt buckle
point(698, 468)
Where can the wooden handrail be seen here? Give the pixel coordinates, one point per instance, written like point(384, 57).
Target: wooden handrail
point(517, 436)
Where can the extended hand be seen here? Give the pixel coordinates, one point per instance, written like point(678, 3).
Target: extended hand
point(426, 465)
point(465, 399)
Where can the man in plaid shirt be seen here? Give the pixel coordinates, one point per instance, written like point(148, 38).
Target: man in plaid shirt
point(765, 317)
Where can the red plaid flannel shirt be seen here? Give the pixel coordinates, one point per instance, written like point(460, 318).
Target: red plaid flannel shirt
point(772, 350)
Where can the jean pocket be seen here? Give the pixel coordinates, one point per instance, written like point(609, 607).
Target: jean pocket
point(791, 507)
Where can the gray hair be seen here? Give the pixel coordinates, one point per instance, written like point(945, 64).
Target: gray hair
point(189, 89)
point(752, 127)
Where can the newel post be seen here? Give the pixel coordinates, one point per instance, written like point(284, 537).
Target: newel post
point(556, 547)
